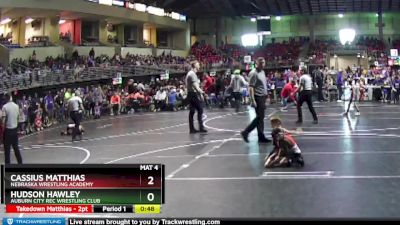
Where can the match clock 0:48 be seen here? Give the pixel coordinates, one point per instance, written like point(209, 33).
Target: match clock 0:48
point(147, 209)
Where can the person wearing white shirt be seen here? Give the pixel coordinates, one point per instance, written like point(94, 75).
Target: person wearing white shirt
point(237, 83)
point(305, 96)
point(10, 114)
point(195, 98)
point(160, 98)
point(76, 110)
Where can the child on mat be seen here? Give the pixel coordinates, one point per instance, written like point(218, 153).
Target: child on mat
point(286, 152)
point(46, 122)
point(352, 96)
point(21, 121)
point(38, 120)
point(97, 111)
point(69, 129)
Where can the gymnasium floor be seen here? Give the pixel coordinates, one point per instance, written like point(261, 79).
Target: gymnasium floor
point(352, 165)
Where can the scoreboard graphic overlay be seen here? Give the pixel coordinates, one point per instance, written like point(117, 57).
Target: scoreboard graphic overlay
point(90, 188)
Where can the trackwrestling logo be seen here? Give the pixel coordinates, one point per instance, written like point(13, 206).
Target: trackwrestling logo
point(10, 221)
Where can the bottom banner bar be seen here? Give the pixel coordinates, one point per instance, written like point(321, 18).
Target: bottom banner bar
point(11, 208)
point(193, 221)
point(34, 221)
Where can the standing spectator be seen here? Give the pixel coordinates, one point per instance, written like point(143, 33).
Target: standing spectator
point(21, 120)
point(33, 106)
point(330, 87)
point(220, 89)
point(339, 84)
point(67, 95)
point(91, 53)
point(34, 55)
point(75, 55)
point(279, 84)
point(89, 103)
point(24, 104)
point(237, 83)
point(59, 107)
point(129, 87)
point(208, 82)
point(10, 113)
point(49, 106)
point(98, 95)
point(362, 89)
point(140, 87)
point(319, 81)
point(396, 89)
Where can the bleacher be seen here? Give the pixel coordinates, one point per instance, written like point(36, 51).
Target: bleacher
point(318, 50)
point(280, 54)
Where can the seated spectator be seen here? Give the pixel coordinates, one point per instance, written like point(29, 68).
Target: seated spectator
point(49, 106)
point(160, 99)
point(38, 119)
point(115, 103)
point(139, 95)
point(172, 99)
point(88, 103)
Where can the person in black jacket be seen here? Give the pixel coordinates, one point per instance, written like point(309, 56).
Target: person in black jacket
point(319, 81)
point(220, 89)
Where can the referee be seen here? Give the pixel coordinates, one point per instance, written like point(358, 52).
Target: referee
point(195, 98)
point(258, 94)
point(10, 123)
point(76, 109)
point(305, 96)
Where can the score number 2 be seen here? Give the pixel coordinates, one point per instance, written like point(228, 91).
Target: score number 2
point(151, 180)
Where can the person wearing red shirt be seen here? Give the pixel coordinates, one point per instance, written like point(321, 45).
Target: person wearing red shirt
point(288, 93)
point(208, 82)
point(115, 102)
point(139, 96)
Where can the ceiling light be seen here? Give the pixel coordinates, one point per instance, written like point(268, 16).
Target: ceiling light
point(5, 21)
point(155, 11)
point(140, 7)
point(61, 22)
point(340, 15)
point(29, 20)
point(253, 19)
point(278, 18)
point(347, 35)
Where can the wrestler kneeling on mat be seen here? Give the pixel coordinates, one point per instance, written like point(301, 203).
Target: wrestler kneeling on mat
point(70, 128)
point(286, 152)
